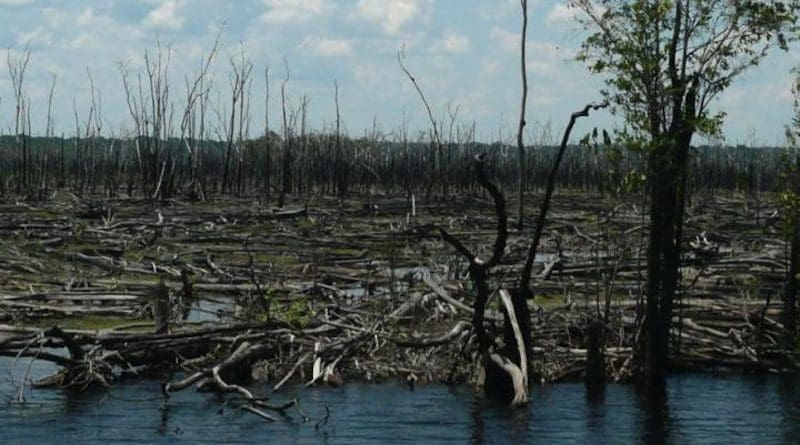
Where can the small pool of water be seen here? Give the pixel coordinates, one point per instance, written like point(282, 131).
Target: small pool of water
point(210, 310)
point(697, 409)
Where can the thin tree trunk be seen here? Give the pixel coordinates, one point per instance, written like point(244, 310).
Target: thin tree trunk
point(790, 294)
point(521, 128)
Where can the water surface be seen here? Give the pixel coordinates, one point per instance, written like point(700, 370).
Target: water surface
point(696, 409)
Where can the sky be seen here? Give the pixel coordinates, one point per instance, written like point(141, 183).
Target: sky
point(463, 53)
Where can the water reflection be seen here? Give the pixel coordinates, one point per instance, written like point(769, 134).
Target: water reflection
point(81, 403)
point(596, 409)
point(164, 426)
point(477, 426)
point(693, 409)
point(657, 426)
point(789, 407)
point(493, 421)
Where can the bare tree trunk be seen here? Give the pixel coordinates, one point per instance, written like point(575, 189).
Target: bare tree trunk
point(267, 142)
point(229, 147)
point(521, 128)
point(505, 369)
point(287, 153)
point(790, 293)
point(339, 169)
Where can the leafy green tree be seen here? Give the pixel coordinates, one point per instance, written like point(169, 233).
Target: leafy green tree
point(665, 61)
point(790, 206)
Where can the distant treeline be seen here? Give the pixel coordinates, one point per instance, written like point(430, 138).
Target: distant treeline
point(336, 165)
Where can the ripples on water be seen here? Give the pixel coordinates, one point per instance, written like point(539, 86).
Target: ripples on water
point(696, 409)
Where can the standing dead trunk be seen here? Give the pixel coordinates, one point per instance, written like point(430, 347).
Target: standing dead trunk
point(595, 357)
point(267, 155)
point(229, 146)
point(521, 128)
point(790, 292)
point(159, 301)
point(504, 371)
point(287, 153)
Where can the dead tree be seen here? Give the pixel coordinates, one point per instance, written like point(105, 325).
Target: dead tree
point(148, 105)
point(339, 170)
point(504, 369)
point(436, 139)
point(16, 70)
point(160, 304)
point(521, 127)
point(43, 179)
point(287, 152)
point(197, 93)
point(241, 74)
point(267, 142)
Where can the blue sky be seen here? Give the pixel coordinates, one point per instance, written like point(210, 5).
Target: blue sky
point(463, 53)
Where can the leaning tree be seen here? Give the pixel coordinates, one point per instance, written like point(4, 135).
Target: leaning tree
point(664, 62)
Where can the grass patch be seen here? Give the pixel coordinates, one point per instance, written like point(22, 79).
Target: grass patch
point(296, 313)
point(133, 255)
point(263, 257)
point(44, 214)
point(344, 251)
point(550, 300)
point(306, 224)
point(265, 227)
point(85, 322)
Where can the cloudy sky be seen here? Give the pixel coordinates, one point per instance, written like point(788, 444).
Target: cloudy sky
point(463, 53)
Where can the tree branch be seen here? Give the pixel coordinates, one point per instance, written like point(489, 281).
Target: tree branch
point(525, 278)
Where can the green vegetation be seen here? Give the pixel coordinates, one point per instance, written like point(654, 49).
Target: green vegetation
point(663, 63)
point(343, 251)
point(83, 322)
point(295, 312)
point(790, 202)
point(43, 214)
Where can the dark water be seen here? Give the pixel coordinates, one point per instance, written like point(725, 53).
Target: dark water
point(696, 409)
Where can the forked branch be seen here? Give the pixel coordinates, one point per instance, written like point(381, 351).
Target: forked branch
point(525, 278)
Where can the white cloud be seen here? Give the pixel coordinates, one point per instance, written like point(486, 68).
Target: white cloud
point(53, 17)
point(329, 47)
point(166, 15)
point(547, 58)
point(548, 50)
point(501, 10)
point(366, 74)
point(490, 66)
point(375, 77)
point(68, 36)
point(561, 14)
point(452, 42)
point(93, 32)
point(506, 39)
point(291, 11)
point(497, 9)
point(86, 17)
point(84, 40)
point(391, 15)
point(38, 36)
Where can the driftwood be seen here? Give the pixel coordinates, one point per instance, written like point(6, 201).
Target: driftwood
point(384, 298)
